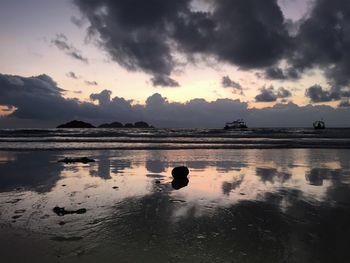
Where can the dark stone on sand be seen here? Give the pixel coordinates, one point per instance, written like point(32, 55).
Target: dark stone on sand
point(77, 160)
point(16, 216)
point(14, 201)
point(61, 211)
point(111, 125)
point(157, 182)
point(76, 124)
point(180, 172)
point(179, 183)
point(62, 223)
point(115, 187)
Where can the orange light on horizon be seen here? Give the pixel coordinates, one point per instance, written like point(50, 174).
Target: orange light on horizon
point(6, 110)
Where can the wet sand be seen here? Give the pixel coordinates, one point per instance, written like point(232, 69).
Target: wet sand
point(242, 205)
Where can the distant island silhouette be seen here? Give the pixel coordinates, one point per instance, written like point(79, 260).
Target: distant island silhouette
point(112, 125)
point(82, 124)
point(76, 124)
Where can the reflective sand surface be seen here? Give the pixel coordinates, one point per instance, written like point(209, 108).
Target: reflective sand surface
point(276, 205)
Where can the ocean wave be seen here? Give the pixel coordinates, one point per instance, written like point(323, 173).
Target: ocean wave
point(174, 133)
point(173, 138)
point(345, 144)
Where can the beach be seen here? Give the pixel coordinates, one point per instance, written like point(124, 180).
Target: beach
point(239, 205)
point(184, 131)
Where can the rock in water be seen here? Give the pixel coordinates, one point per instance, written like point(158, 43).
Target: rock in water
point(61, 211)
point(179, 183)
point(180, 172)
point(84, 160)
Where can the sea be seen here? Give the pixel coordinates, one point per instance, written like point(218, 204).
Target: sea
point(277, 195)
point(255, 138)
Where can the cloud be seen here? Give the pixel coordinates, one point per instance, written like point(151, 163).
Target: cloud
point(72, 75)
point(229, 83)
point(31, 95)
point(39, 102)
point(317, 94)
point(283, 93)
point(103, 98)
point(61, 42)
point(79, 22)
point(164, 81)
point(146, 35)
point(344, 104)
point(135, 33)
point(277, 73)
point(323, 41)
point(271, 95)
point(149, 36)
point(91, 83)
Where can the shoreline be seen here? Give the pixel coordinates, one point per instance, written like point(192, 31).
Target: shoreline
point(213, 147)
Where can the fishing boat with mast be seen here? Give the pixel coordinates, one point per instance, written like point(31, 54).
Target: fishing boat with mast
point(237, 124)
point(319, 125)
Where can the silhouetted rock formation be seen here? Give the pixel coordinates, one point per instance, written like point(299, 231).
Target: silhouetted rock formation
point(180, 172)
point(76, 124)
point(141, 124)
point(77, 160)
point(129, 125)
point(179, 183)
point(61, 211)
point(111, 125)
point(116, 124)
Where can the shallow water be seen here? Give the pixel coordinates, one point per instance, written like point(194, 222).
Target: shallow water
point(163, 139)
point(242, 205)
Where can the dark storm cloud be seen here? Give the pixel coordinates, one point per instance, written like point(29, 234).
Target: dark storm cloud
point(270, 94)
point(274, 73)
point(317, 94)
point(143, 35)
point(229, 83)
point(91, 83)
point(61, 42)
point(164, 81)
point(251, 34)
point(30, 96)
point(135, 33)
point(39, 102)
point(277, 73)
point(72, 75)
point(266, 95)
point(323, 41)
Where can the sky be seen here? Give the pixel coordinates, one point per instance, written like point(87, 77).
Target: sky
point(183, 63)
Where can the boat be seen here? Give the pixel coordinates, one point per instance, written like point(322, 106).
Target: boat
point(319, 125)
point(237, 124)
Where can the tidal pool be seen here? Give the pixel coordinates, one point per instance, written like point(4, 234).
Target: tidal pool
point(242, 205)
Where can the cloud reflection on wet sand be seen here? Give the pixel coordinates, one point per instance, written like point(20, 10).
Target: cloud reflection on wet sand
point(239, 205)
